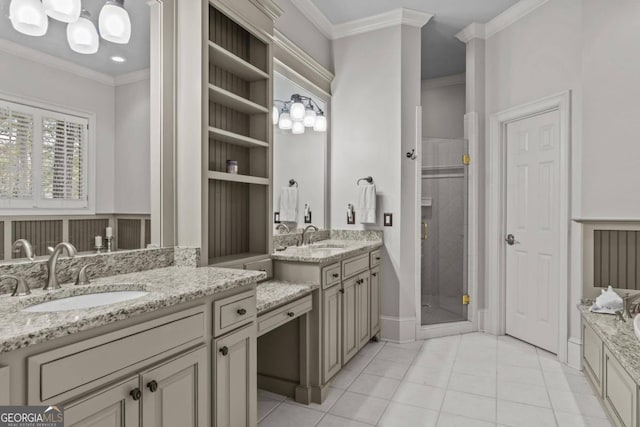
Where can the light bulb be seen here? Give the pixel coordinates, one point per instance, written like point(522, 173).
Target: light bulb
point(275, 115)
point(309, 118)
point(320, 124)
point(63, 10)
point(28, 17)
point(297, 111)
point(82, 35)
point(297, 128)
point(114, 22)
point(285, 122)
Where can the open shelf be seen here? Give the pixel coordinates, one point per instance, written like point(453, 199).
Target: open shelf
point(235, 138)
point(232, 177)
point(231, 100)
point(226, 60)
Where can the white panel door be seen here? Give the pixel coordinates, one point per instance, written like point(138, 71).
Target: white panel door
point(532, 233)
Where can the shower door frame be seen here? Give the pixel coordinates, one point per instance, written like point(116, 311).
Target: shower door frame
point(474, 321)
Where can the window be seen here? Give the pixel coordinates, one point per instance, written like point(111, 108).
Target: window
point(43, 158)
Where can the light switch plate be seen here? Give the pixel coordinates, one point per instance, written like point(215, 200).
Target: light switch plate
point(276, 217)
point(388, 219)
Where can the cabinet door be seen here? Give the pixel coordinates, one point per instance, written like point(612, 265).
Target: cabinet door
point(235, 378)
point(331, 331)
point(592, 355)
point(349, 319)
point(620, 393)
point(176, 393)
point(112, 407)
point(375, 301)
point(363, 291)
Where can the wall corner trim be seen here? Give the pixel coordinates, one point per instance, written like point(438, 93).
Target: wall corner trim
point(317, 18)
point(282, 41)
point(500, 22)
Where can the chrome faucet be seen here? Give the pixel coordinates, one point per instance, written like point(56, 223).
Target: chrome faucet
point(26, 246)
point(52, 281)
point(283, 227)
point(630, 304)
point(304, 232)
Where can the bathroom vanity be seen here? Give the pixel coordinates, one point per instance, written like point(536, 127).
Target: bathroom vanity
point(611, 360)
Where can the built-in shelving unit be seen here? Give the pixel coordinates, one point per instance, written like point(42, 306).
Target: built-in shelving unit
point(238, 90)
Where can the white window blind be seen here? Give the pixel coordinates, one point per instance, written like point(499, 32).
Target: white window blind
point(43, 158)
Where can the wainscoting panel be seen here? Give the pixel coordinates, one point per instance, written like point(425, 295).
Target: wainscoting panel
point(129, 233)
point(82, 232)
point(41, 234)
point(616, 256)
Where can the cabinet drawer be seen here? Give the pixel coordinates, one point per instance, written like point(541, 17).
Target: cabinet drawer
point(355, 265)
point(620, 392)
point(271, 320)
point(70, 367)
point(265, 265)
point(376, 258)
point(592, 355)
point(331, 275)
point(232, 312)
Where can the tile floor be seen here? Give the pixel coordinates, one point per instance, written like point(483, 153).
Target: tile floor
point(472, 380)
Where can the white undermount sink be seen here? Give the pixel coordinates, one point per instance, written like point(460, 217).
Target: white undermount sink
point(80, 302)
point(636, 326)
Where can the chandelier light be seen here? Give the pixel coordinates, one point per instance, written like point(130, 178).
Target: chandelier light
point(63, 10)
point(295, 116)
point(28, 17)
point(114, 22)
point(82, 35)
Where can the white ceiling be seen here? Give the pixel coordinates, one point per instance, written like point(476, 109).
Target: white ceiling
point(442, 53)
point(55, 41)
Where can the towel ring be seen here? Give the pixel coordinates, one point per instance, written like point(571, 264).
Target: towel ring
point(368, 179)
point(293, 182)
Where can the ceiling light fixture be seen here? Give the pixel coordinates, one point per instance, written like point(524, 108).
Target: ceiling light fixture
point(28, 17)
point(114, 22)
point(290, 117)
point(63, 10)
point(82, 35)
point(118, 59)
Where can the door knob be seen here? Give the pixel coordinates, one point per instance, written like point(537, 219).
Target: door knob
point(511, 240)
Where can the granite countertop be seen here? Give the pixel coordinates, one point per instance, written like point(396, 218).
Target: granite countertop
point(619, 338)
point(275, 293)
point(166, 286)
point(326, 250)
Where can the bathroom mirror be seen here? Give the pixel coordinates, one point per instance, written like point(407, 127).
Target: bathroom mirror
point(300, 184)
point(75, 120)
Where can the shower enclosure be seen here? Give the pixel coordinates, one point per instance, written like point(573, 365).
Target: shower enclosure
point(444, 231)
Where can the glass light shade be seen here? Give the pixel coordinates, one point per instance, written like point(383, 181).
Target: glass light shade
point(114, 22)
point(285, 122)
point(28, 17)
point(63, 10)
point(297, 128)
point(275, 115)
point(83, 36)
point(321, 124)
point(297, 110)
point(309, 118)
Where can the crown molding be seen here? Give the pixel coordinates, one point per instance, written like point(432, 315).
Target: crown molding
point(400, 16)
point(269, 7)
point(302, 56)
point(500, 22)
point(132, 77)
point(317, 18)
point(388, 19)
point(452, 80)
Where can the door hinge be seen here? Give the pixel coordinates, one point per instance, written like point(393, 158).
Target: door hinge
point(466, 159)
point(466, 299)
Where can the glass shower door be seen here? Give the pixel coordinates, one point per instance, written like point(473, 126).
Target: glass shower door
point(444, 231)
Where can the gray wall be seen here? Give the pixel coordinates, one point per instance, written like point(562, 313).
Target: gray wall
point(443, 109)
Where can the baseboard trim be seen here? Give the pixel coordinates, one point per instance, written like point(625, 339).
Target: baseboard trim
point(574, 353)
point(426, 332)
point(398, 330)
point(482, 320)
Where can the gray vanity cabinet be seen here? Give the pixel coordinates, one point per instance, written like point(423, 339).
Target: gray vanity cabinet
point(174, 393)
point(350, 315)
point(111, 407)
point(592, 356)
point(331, 331)
point(620, 393)
point(375, 301)
point(363, 292)
point(235, 378)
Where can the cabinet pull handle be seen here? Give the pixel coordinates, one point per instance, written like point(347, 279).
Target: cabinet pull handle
point(153, 386)
point(374, 274)
point(136, 394)
point(336, 275)
point(291, 314)
point(263, 269)
point(224, 350)
point(342, 290)
point(242, 311)
point(377, 258)
point(360, 281)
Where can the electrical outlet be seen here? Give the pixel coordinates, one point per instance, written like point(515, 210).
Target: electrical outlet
point(276, 217)
point(307, 218)
point(388, 220)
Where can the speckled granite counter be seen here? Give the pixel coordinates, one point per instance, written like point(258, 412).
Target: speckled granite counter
point(326, 251)
point(272, 294)
point(166, 286)
point(618, 337)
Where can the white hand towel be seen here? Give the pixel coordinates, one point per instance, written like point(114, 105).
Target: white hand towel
point(289, 204)
point(608, 302)
point(366, 208)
